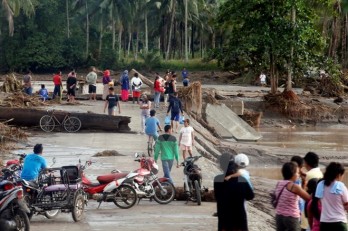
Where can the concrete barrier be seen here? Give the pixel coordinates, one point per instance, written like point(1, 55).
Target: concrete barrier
point(229, 125)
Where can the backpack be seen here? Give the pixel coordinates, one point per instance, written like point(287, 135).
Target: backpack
point(176, 106)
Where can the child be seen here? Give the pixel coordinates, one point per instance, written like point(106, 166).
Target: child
point(112, 102)
point(313, 207)
point(43, 93)
point(186, 139)
point(242, 161)
point(151, 125)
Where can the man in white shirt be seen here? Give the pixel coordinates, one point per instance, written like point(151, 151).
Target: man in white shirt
point(91, 79)
point(186, 139)
point(136, 85)
point(263, 79)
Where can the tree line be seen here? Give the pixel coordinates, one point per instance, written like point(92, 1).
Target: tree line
point(281, 37)
point(50, 34)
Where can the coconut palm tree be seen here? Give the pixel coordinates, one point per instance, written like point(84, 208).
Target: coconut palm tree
point(12, 8)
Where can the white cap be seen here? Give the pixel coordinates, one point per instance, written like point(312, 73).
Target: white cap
point(241, 160)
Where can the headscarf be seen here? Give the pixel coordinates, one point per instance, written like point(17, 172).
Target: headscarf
point(124, 75)
point(106, 73)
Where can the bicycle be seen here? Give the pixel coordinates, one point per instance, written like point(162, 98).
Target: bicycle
point(70, 123)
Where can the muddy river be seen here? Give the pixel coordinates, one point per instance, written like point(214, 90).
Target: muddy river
point(334, 138)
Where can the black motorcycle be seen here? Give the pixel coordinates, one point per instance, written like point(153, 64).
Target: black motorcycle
point(193, 180)
point(13, 210)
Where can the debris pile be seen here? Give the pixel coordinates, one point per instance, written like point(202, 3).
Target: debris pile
point(290, 105)
point(19, 100)
point(12, 84)
point(9, 134)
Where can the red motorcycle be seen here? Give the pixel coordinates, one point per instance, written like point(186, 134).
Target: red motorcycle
point(149, 185)
point(108, 190)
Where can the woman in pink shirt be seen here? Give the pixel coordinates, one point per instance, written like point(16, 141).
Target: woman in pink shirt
point(333, 195)
point(288, 194)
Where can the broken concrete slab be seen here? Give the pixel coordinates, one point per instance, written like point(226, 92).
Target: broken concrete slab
point(229, 125)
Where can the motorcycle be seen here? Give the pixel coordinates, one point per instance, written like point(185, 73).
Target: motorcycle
point(147, 183)
point(110, 188)
point(193, 180)
point(31, 191)
point(13, 210)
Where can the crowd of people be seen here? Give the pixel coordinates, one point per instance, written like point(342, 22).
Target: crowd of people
point(310, 200)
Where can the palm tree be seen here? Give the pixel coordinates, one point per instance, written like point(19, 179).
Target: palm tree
point(12, 8)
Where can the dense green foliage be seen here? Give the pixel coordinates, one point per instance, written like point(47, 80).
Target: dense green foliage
point(284, 38)
point(107, 33)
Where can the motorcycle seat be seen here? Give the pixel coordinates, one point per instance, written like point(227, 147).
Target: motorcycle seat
point(111, 177)
point(92, 184)
point(60, 187)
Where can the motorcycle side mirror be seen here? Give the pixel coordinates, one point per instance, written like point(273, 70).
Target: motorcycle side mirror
point(79, 161)
point(136, 155)
point(53, 160)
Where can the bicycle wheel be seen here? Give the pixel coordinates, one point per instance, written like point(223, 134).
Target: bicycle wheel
point(72, 124)
point(47, 123)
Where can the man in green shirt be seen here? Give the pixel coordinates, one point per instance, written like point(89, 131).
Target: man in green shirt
point(167, 147)
point(91, 79)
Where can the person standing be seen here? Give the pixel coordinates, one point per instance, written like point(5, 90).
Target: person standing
point(333, 195)
point(167, 147)
point(106, 83)
point(167, 78)
point(112, 102)
point(288, 193)
point(311, 164)
point(231, 196)
point(145, 107)
point(262, 78)
point(175, 107)
point(71, 83)
point(185, 79)
point(124, 81)
point(158, 90)
point(57, 81)
point(136, 85)
point(186, 139)
point(33, 164)
point(28, 89)
point(91, 80)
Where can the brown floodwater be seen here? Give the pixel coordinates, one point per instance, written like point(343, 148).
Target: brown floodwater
point(334, 138)
point(275, 173)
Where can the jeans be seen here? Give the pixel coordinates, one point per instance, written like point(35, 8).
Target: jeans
point(28, 90)
point(157, 98)
point(166, 96)
point(56, 91)
point(143, 119)
point(167, 167)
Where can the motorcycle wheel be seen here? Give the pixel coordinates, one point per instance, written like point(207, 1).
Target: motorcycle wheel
point(52, 213)
point(79, 207)
point(166, 195)
point(22, 220)
point(125, 197)
point(198, 192)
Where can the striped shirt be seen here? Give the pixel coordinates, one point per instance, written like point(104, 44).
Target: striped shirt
point(287, 202)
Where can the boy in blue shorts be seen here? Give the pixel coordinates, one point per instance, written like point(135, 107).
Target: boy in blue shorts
point(151, 125)
point(175, 107)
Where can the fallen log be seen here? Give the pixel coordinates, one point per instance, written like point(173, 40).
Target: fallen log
point(145, 80)
point(89, 121)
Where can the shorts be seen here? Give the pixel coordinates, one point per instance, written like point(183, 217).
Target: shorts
point(111, 110)
point(92, 89)
point(71, 91)
point(136, 94)
point(185, 148)
point(155, 136)
point(175, 116)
